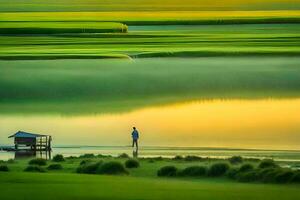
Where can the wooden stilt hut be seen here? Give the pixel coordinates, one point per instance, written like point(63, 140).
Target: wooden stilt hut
point(33, 141)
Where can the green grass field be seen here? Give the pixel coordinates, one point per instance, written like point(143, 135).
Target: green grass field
point(50, 55)
point(159, 18)
point(73, 186)
point(159, 41)
point(141, 183)
point(16, 28)
point(149, 5)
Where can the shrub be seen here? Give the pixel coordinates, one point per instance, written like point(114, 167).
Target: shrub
point(192, 158)
point(87, 155)
point(38, 161)
point(232, 173)
point(193, 171)
point(246, 168)
point(251, 159)
point(4, 168)
point(296, 177)
point(235, 160)
point(83, 162)
point(54, 167)
point(267, 163)
point(178, 157)
point(89, 168)
point(58, 158)
point(123, 155)
point(111, 168)
point(284, 176)
point(168, 171)
point(10, 161)
point(159, 158)
point(34, 168)
point(132, 163)
point(218, 169)
point(268, 174)
point(102, 156)
point(71, 157)
point(248, 176)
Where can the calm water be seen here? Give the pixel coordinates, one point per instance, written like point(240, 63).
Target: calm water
point(266, 124)
point(168, 152)
point(268, 119)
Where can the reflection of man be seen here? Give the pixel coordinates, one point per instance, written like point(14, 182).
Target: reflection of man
point(135, 137)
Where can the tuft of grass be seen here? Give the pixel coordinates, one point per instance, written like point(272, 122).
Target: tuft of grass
point(38, 161)
point(124, 155)
point(112, 168)
point(55, 167)
point(84, 162)
point(87, 155)
point(178, 157)
point(218, 169)
point(58, 158)
point(267, 163)
point(248, 176)
point(193, 171)
point(132, 163)
point(232, 173)
point(285, 176)
point(296, 177)
point(4, 168)
point(193, 158)
point(34, 168)
point(89, 167)
point(246, 168)
point(167, 171)
point(235, 160)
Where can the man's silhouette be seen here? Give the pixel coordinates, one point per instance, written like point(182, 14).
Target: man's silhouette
point(135, 137)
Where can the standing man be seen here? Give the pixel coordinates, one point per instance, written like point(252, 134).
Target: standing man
point(135, 137)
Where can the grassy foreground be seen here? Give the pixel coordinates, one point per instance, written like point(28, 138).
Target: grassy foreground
point(141, 183)
point(89, 187)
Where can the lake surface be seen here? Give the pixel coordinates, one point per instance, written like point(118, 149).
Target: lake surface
point(248, 103)
point(271, 124)
point(168, 152)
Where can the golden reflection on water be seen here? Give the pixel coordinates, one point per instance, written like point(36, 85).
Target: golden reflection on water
point(273, 124)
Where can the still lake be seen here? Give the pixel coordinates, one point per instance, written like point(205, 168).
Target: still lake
point(248, 103)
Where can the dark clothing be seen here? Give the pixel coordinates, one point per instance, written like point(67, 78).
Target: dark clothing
point(135, 135)
point(135, 142)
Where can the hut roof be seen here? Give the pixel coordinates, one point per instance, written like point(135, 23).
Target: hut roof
point(23, 134)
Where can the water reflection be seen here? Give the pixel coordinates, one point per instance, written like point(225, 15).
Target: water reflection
point(270, 124)
point(135, 153)
point(33, 154)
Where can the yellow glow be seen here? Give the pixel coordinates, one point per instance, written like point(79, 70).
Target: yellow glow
point(273, 124)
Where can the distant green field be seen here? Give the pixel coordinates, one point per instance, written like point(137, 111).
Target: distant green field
point(158, 18)
point(60, 27)
point(149, 5)
point(160, 41)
